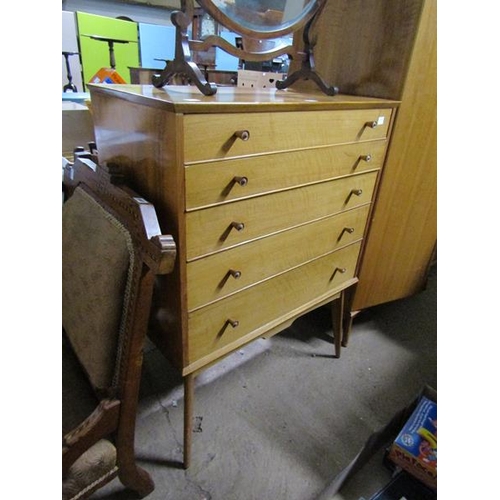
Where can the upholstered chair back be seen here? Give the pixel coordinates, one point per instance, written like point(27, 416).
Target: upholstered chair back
point(97, 261)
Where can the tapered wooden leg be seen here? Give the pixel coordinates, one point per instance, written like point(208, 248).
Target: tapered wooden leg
point(347, 328)
point(188, 417)
point(337, 323)
point(348, 314)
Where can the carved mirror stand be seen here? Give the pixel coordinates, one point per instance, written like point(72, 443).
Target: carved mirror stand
point(256, 21)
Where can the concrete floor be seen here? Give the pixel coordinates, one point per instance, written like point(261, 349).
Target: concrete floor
point(280, 418)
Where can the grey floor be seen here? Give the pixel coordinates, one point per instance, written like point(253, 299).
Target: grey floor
point(279, 419)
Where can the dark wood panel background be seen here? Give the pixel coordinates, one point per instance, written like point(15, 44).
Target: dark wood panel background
point(364, 47)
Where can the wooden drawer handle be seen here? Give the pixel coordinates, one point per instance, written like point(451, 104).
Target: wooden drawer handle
point(366, 158)
point(229, 322)
point(231, 273)
point(239, 226)
point(235, 274)
point(349, 230)
point(371, 124)
point(357, 192)
point(244, 135)
point(242, 181)
point(341, 270)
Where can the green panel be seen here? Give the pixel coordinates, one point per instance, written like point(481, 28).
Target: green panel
point(95, 54)
point(91, 24)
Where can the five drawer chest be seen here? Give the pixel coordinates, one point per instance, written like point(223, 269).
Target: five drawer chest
point(268, 194)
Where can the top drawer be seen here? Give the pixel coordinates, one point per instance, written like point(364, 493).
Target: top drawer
point(215, 136)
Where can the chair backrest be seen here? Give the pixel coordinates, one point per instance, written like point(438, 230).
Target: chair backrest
point(98, 264)
point(112, 248)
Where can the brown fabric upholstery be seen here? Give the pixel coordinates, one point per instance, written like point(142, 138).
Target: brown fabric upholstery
point(97, 257)
point(78, 397)
point(92, 468)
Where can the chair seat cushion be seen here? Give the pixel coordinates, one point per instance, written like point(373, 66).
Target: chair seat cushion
point(93, 468)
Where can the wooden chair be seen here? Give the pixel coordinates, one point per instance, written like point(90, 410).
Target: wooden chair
point(112, 249)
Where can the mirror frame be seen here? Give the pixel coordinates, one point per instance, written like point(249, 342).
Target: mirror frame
point(185, 66)
point(219, 15)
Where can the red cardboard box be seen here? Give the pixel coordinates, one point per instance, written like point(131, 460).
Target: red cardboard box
point(415, 448)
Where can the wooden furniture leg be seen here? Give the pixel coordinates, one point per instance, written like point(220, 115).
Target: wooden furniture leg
point(348, 319)
point(348, 314)
point(188, 417)
point(337, 323)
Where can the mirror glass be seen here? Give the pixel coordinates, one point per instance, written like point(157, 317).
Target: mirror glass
point(267, 18)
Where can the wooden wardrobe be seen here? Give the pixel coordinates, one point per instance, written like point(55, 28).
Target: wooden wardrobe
point(388, 49)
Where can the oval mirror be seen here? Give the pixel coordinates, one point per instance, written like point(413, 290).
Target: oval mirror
point(255, 20)
point(262, 18)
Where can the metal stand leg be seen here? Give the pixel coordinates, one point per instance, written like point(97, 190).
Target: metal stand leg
point(70, 86)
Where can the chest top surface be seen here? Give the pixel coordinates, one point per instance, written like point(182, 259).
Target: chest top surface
point(187, 99)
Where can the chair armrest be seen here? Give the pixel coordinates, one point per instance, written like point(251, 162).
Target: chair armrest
point(99, 424)
point(168, 252)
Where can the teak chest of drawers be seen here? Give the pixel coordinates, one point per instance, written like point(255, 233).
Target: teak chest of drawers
point(267, 194)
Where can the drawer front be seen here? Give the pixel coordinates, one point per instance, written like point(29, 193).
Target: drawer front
point(224, 273)
point(256, 308)
point(215, 136)
point(227, 180)
point(224, 226)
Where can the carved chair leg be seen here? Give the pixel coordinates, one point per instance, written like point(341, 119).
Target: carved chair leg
point(188, 417)
point(131, 475)
point(136, 478)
